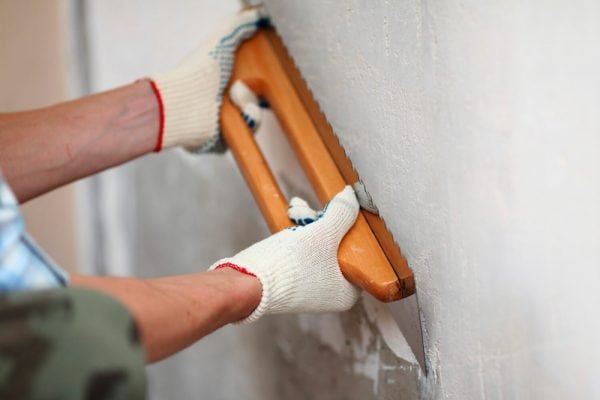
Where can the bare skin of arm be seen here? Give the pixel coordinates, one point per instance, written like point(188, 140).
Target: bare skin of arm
point(174, 312)
point(43, 149)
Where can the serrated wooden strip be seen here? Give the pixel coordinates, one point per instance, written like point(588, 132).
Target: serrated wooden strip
point(349, 173)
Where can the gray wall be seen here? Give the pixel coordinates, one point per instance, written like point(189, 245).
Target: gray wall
point(474, 129)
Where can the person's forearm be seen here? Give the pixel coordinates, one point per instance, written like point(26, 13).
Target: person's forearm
point(174, 312)
point(43, 149)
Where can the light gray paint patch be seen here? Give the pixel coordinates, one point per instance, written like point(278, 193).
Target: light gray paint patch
point(474, 126)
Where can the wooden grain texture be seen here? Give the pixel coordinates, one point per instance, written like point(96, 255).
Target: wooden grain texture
point(361, 257)
point(377, 225)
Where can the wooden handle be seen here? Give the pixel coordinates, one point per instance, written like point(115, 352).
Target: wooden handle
point(361, 258)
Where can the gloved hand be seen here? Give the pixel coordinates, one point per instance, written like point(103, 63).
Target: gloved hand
point(298, 267)
point(190, 95)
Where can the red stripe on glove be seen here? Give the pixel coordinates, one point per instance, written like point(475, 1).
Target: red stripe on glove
point(236, 267)
point(161, 129)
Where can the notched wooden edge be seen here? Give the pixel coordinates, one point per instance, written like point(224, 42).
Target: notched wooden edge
point(405, 285)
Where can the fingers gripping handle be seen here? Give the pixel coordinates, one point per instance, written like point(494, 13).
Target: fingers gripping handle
point(360, 256)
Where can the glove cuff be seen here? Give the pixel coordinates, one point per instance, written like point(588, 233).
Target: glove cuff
point(262, 307)
point(189, 112)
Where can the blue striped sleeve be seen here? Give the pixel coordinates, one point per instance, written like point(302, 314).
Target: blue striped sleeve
point(23, 265)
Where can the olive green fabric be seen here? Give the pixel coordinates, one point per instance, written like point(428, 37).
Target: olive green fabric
point(66, 344)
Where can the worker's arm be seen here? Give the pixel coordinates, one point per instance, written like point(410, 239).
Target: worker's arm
point(174, 312)
point(84, 342)
point(295, 270)
point(43, 149)
point(171, 312)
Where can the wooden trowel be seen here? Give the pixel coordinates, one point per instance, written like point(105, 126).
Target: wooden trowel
point(368, 255)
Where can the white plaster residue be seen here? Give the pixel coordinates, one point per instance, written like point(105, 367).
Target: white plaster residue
point(366, 354)
point(379, 314)
point(329, 330)
point(368, 365)
point(327, 327)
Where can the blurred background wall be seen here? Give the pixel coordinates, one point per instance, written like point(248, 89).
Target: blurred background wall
point(35, 71)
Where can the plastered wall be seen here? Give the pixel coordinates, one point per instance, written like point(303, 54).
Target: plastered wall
point(475, 127)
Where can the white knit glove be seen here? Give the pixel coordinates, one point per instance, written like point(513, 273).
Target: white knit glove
point(298, 267)
point(190, 96)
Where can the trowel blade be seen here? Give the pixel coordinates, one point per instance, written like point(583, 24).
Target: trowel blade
point(406, 315)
